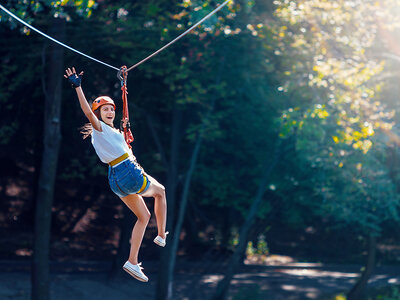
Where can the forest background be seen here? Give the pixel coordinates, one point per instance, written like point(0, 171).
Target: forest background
point(273, 126)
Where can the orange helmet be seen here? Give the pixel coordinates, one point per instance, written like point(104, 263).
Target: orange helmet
point(102, 100)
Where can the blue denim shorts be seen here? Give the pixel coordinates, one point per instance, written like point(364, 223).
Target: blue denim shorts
point(127, 178)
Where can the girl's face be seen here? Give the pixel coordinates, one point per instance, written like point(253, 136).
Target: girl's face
point(107, 114)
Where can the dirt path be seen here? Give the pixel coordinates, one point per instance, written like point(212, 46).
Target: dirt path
point(295, 281)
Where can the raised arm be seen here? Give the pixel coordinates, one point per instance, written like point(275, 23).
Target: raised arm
point(76, 83)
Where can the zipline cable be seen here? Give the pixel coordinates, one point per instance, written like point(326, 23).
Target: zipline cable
point(183, 34)
point(54, 40)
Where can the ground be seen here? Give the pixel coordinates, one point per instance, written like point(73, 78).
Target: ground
point(285, 279)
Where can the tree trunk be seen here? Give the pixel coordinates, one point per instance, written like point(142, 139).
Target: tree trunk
point(223, 285)
point(183, 203)
point(170, 253)
point(164, 282)
point(51, 141)
point(359, 290)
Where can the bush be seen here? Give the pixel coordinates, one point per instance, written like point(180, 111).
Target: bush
point(393, 294)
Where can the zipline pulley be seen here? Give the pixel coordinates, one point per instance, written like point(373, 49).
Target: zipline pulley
point(123, 76)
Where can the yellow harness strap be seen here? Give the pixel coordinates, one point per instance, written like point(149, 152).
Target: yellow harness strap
point(143, 185)
point(119, 159)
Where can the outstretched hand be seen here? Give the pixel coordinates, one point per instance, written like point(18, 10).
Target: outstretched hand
point(73, 77)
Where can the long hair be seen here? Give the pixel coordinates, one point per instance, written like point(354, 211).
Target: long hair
point(87, 129)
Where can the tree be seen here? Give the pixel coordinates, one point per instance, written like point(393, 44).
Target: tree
point(52, 138)
point(223, 285)
point(337, 130)
point(52, 93)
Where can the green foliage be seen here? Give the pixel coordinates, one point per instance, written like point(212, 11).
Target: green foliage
point(394, 294)
point(336, 130)
point(391, 292)
point(6, 132)
point(252, 292)
point(261, 248)
point(339, 72)
point(29, 10)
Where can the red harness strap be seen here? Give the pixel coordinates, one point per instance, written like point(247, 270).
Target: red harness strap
point(123, 75)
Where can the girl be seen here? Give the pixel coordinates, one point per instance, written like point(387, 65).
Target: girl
point(126, 178)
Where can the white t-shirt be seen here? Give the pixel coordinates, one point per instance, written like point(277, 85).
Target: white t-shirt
point(109, 144)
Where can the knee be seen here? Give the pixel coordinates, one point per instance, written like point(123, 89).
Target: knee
point(144, 218)
point(160, 196)
point(160, 192)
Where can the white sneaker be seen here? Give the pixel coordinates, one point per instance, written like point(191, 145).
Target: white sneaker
point(135, 271)
point(160, 241)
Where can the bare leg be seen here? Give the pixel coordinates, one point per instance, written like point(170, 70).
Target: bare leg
point(139, 208)
point(157, 191)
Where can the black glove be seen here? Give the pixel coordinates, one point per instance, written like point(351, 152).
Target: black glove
point(121, 125)
point(75, 80)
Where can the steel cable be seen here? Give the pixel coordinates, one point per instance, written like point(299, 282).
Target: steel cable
point(180, 36)
point(52, 39)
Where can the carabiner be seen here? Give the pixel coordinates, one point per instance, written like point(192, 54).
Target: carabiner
point(122, 75)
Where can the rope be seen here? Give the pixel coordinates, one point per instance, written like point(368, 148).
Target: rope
point(183, 34)
point(54, 40)
point(123, 76)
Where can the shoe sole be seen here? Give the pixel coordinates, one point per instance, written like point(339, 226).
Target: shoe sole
point(135, 275)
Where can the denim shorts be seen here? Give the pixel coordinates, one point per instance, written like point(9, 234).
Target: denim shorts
point(127, 178)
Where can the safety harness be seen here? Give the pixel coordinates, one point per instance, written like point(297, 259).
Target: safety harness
point(123, 76)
